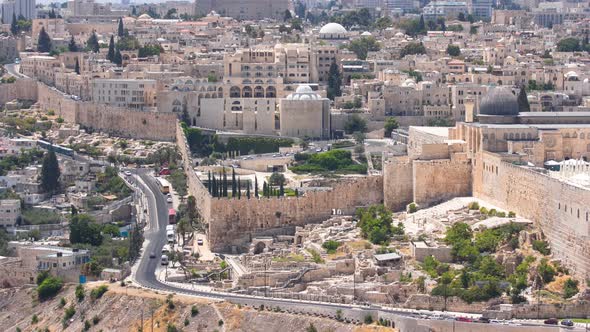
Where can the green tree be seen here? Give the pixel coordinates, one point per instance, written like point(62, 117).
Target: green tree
point(375, 223)
point(461, 17)
point(120, 28)
point(44, 42)
point(41, 276)
point(383, 23)
point(72, 47)
point(570, 44)
point(334, 81)
point(453, 50)
point(546, 271)
point(49, 288)
point(570, 288)
point(523, 102)
point(287, 15)
point(92, 43)
point(362, 46)
point(149, 50)
point(50, 173)
point(13, 24)
point(412, 48)
point(80, 293)
point(277, 179)
point(421, 25)
point(390, 124)
point(84, 229)
point(355, 123)
point(77, 67)
point(118, 58)
point(111, 53)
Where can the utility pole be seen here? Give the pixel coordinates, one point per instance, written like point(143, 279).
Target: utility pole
point(152, 319)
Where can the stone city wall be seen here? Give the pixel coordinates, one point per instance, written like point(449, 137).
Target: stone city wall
point(562, 210)
point(578, 309)
point(398, 184)
point(23, 88)
point(111, 120)
point(436, 181)
point(235, 221)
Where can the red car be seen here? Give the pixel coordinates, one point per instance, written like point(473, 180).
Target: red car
point(464, 319)
point(165, 171)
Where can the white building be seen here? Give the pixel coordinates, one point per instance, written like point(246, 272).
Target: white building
point(131, 93)
point(25, 8)
point(305, 113)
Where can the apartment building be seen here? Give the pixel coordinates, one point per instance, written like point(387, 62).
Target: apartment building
point(131, 93)
point(9, 212)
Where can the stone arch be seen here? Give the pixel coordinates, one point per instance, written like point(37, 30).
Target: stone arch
point(220, 92)
point(235, 92)
point(271, 92)
point(259, 92)
point(247, 92)
point(259, 248)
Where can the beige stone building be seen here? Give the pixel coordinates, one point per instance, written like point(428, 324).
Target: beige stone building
point(130, 93)
point(9, 212)
point(304, 113)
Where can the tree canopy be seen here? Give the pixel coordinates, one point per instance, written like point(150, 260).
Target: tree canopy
point(85, 230)
point(362, 46)
point(44, 42)
point(50, 172)
point(412, 48)
point(334, 81)
point(92, 43)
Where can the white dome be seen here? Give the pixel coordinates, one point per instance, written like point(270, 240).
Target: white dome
point(571, 74)
point(303, 89)
point(332, 28)
point(144, 17)
point(366, 33)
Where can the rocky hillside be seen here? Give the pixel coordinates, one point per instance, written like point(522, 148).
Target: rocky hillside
point(130, 309)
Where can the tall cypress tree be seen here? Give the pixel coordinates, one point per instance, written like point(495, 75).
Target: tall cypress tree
point(281, 189)
point(233, 181)
point(248, 190)
point(72, 47)
point(255, 187)
point(14, 25)
point(111, 53)
point(523, 102)
point(118, 59)
point(334, 81)
point(77, 67)
point(209, 181)
point(44, 42)
point(92, 43)
point(224, 183)
point(296, 192)
point(264, 189)
point(239, 189)
point(120, 29)
point(50, 172)
point(421, 25)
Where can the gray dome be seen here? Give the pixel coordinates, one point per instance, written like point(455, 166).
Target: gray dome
point(499, 101)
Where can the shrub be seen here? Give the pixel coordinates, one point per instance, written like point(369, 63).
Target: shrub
point(98, 292)
point(80, 294)
point(331, 246)
point(171, 328)
point(62, 302)
point(311, 328)
point(511, 214)
point(69, 313)
point(220, 322)
point(570, 288)
point(95, 320)
point(474, 206)
point(87, 325)
point(42, 276)
point(501, 214)
point(170, 303)
point(34, 319)
point(546, 271)
point(368, 319)
point(194, 311)
point(542, 247)
point(49, 288)
point(186, 322)
point(60, 120)
point(412, 208)
point(317, 258)
point(483, 210)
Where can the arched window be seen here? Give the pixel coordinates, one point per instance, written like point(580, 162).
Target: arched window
point(247, 92)
point(234, 92)
point(220, 92)
point(271, 92)
point(259, 92)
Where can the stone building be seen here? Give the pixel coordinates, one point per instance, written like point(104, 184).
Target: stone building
point(305, 113)
point(130, 93)
point(9, 212)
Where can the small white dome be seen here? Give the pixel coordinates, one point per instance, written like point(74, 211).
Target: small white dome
point(144, 17)
point(304, 92)
point(303, 89)
point(332, 28)
point(366, 34)
point(571, 74)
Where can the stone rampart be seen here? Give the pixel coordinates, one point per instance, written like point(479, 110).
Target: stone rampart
point(23, 88)
point(561, 209)
point(398, 188)
point(436, 181)
point(112, 120)
point(578, 309)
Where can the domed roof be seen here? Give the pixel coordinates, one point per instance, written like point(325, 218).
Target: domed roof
point(304, 92)
point(332, 28)
point(499, 101)
point(144, 17)
point(304, 89)
point(366, 34)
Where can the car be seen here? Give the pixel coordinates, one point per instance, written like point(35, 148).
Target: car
point(169, 200)
point(164, 260)
point(483, 320)
point(318, 150)
point(567, 322)
point(152, 254)
point(551, 321)
point(200, 242)
point(463, 319)
point(127, 173)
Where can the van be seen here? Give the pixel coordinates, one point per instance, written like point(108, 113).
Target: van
point(169, 228)
point(164, 260)
point(165, 249)
point(170, 236)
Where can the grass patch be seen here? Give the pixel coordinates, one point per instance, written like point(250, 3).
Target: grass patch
point(338, 161)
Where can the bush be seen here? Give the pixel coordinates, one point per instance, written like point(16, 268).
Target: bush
point(331, 246)
point(570, 288)
point(80, 294)
point(220, 322)
point(69, 313)
point(186, 322)
point(95, 320)
point(375, 223)
point(41, 276)
point(87, 325)
point(49, 288)
point(511, 214)
point(412, 208)
point(171, 328)
point(34, 319)
point(474, 206)
point(542, 247)
point(98, 292)
point(194, 311)
point(62, 302)
point(368, 319)
point(546, 271)
point(317, 258)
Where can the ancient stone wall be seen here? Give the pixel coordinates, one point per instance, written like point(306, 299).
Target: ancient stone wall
point(562, 210)
point(578, 309)
point(24, 88)
point(398, 187)
point(112, 120)
point(234, 221)
point(436, 181)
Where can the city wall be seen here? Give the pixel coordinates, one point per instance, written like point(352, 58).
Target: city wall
point(562, 210)
point(436, 181)
point(578, 309)
point(24, 88)
point(112, 120)
point(398, 184)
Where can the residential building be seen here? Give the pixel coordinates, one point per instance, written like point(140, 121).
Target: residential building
point(9, 212)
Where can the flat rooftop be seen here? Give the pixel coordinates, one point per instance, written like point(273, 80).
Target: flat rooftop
point(436, 131)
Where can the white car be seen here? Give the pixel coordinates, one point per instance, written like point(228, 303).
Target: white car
point(169, 200)
point(127, 173)
point(200, 242)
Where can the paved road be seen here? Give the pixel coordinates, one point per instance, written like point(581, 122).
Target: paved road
point(155, 236)
point(13, 69)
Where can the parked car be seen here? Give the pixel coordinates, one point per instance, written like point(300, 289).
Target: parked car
point(164, 259)
point(567, 322)
point(169, 199)
point(200, 242)
point(551, 321)
point(127, 173)
point(464, 319)
point(483, 320)
point(152, 254)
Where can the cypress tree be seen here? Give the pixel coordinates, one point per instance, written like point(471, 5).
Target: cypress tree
point(72, 47)
point(281, 190)
point(421, 25)
point(239, 189)
point(334, 81)
point(523, 102)
point(248, 190)
point(111, 53)
point(214, 187)
point(44, 42)
point(92, 43)
point(209, 181)
point(233, 180)
point(296, 192)
point(120, 29)
point(118, 58)
point(224, 183)
point(50, 172)
point(14, 25)
point(255, 187)
point(77, 67)
point(264, 189)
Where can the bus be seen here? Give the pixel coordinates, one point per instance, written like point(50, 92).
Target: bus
point(171, 216)
point(164, 187)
